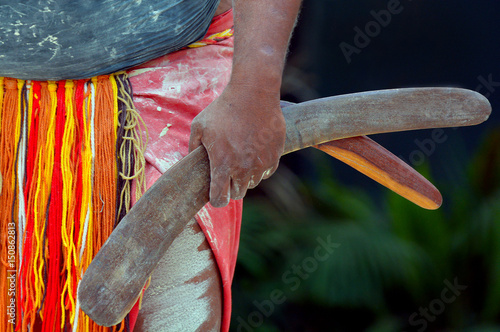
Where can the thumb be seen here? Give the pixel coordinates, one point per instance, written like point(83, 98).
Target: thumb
point(220, 186)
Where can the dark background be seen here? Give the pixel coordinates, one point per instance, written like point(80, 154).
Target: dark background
point(394, 258)
point(430, 43)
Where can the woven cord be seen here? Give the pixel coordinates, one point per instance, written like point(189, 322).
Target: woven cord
point(71, 153)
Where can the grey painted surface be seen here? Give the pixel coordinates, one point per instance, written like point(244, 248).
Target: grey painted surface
point(64, 39)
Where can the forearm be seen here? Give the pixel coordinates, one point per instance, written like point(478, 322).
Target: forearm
point(243, 130)
point(262, 33)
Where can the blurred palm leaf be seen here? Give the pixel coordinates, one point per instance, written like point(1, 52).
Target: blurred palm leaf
point(393, 256)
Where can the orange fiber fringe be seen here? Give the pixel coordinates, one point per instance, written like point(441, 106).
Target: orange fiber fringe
point(69, 152)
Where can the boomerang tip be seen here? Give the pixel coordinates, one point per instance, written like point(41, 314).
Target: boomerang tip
point(432, 201)
point(478, 103)
point(373, 160)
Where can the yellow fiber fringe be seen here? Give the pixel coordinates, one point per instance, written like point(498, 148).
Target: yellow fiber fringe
point(69, 152)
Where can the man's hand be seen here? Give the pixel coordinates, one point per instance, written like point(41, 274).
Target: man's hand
point(243, 132)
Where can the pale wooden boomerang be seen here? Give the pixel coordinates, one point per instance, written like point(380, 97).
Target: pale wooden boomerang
point(116, 276)
point(379, 164)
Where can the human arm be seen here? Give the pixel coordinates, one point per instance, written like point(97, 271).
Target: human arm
point(243, 130)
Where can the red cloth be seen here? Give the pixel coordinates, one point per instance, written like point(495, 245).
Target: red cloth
point(169, 92)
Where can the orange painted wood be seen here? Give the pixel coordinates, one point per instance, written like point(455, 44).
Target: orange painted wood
point(376, 162)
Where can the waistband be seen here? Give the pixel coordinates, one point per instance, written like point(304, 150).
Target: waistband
point(220, 23)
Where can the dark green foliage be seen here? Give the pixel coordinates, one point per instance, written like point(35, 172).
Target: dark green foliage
point(392, 257)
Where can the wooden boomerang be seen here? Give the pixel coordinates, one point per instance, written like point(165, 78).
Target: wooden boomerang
point(373, 160)
point(116, 276)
